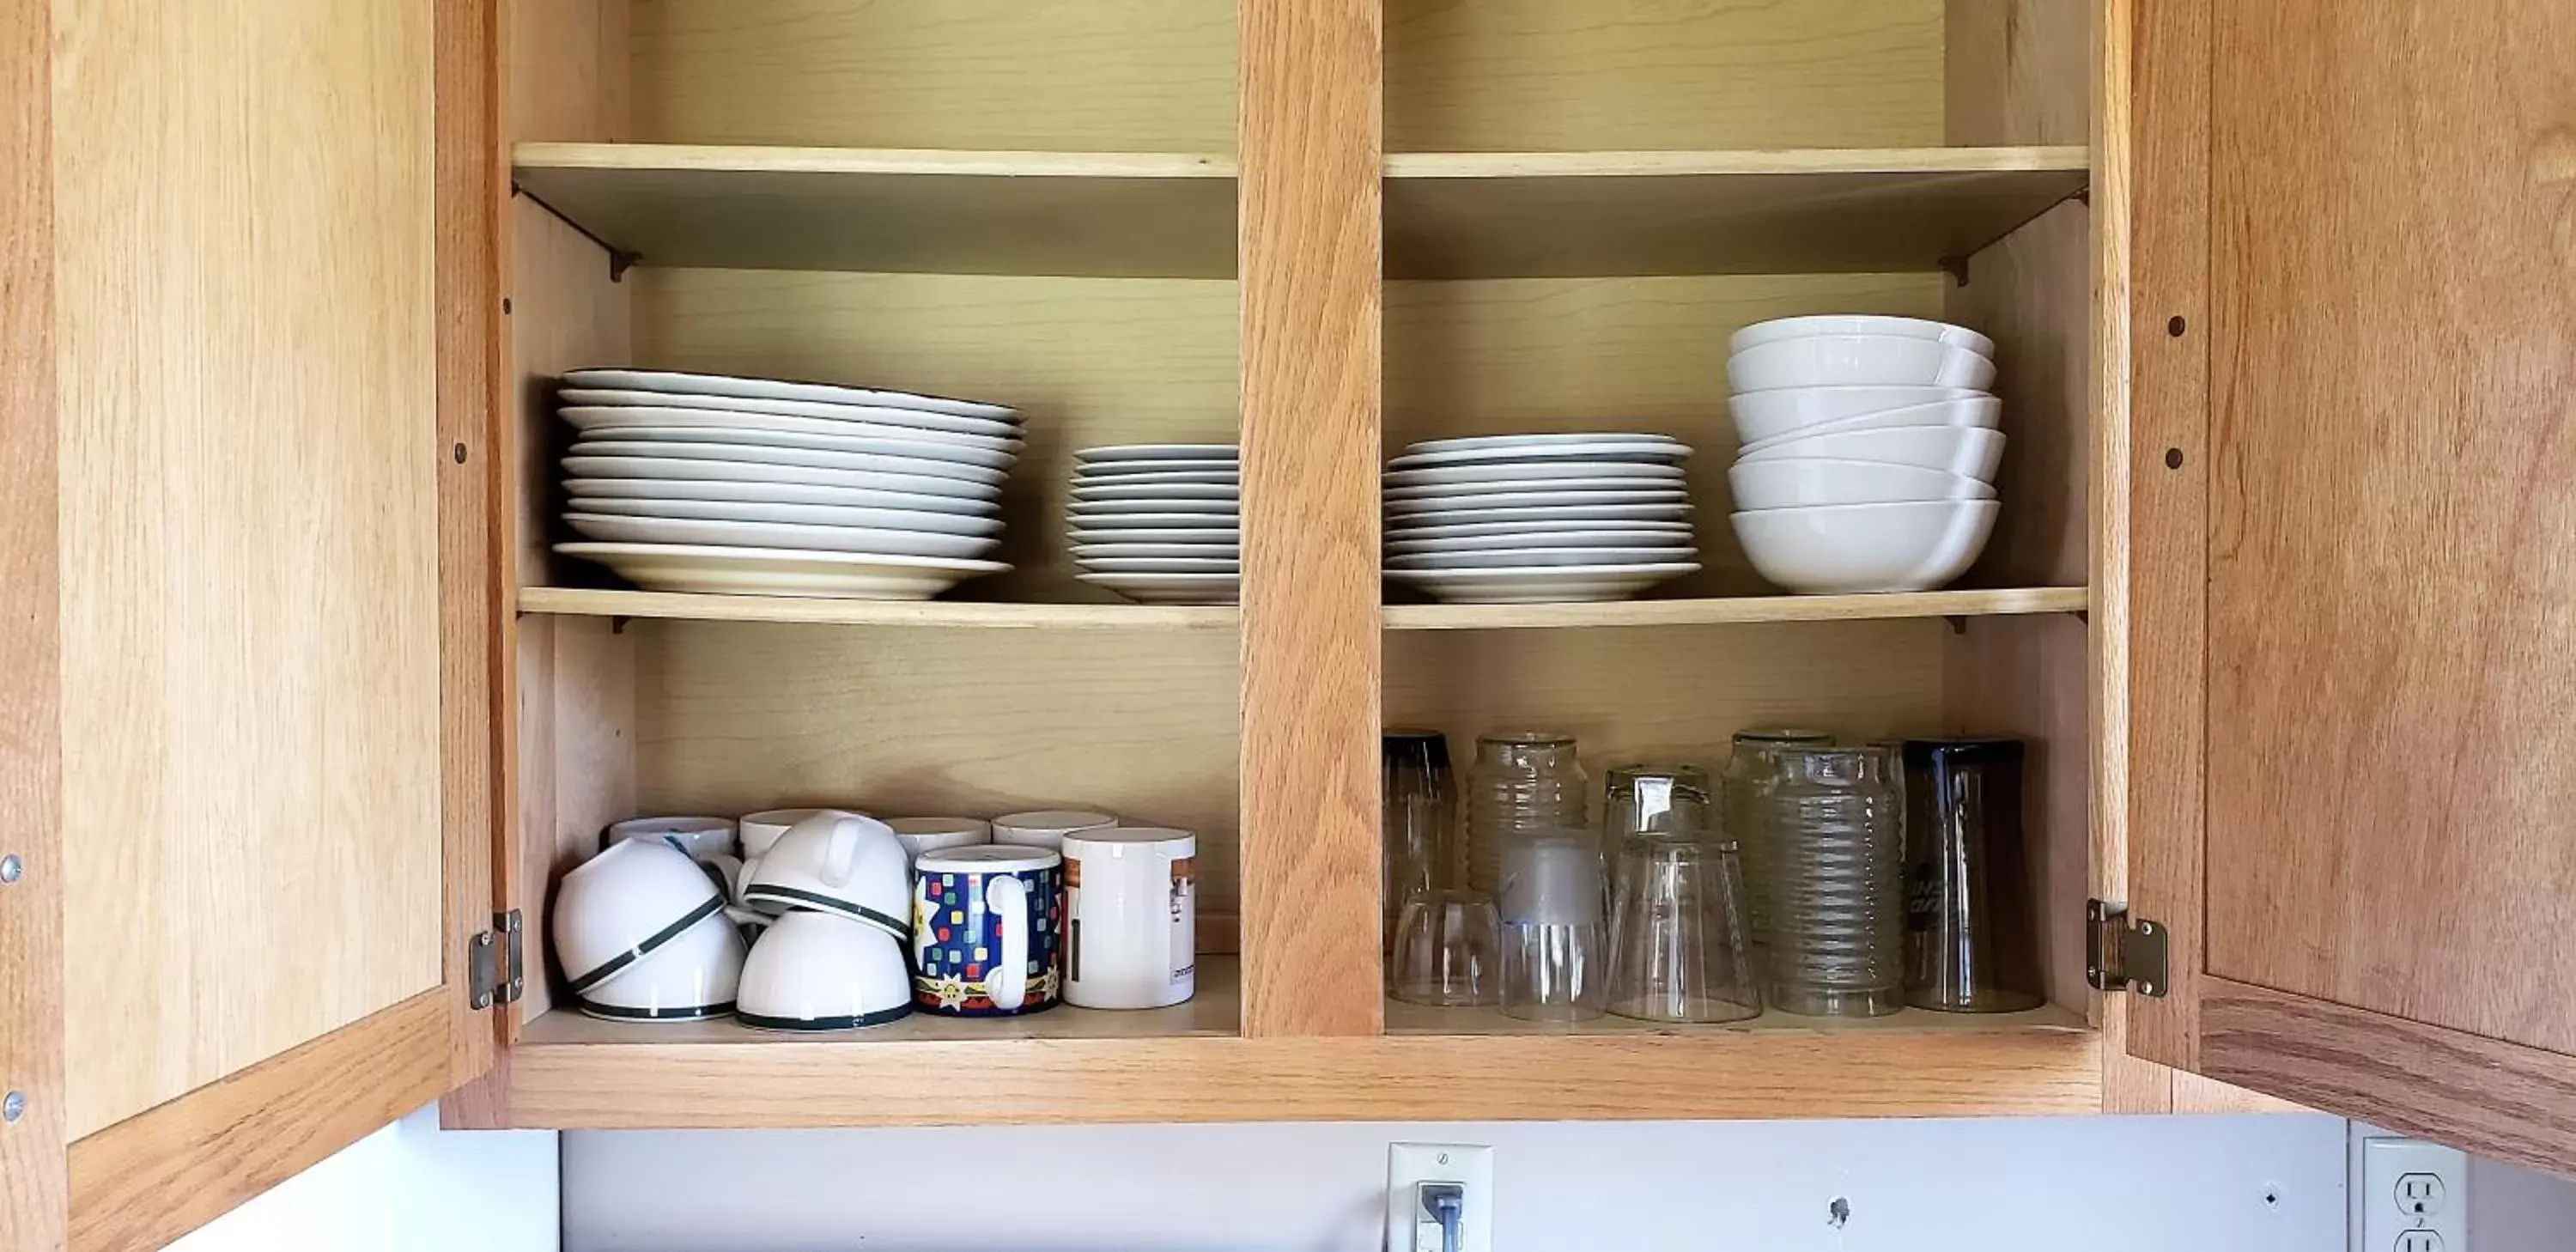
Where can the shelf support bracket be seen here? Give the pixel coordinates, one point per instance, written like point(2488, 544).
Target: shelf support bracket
point(1957, 268)
point(619, 259)
point(1958, 624)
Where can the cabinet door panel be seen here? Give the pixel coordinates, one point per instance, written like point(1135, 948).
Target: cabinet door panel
point(2359, 405)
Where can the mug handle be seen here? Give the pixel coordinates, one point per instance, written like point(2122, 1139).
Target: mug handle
point(842, 859)
point(730, 873)
point(747, 917)
point(923, 918)
point(1007, 898)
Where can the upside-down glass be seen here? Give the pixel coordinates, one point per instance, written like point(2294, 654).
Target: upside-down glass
point(1971, 942)
point(1655, 799)
point(1835, 858)
point(1750, 768)
point(1419, 822)
point(1678, 951)
point(1524, 783)
point(1555, 937)
point(1445, 951)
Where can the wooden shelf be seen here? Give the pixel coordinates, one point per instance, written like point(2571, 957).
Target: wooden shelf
point(892, 210)
point(604, 602)
point(1584, 214)
point(608, 602)
point(1187, 1064)
point(1953, 604)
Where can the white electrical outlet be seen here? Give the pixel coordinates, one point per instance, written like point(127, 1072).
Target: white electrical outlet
point(1409, 1227)
point(2414, 1197)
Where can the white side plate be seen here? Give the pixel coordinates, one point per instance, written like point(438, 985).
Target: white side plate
point(766, 572)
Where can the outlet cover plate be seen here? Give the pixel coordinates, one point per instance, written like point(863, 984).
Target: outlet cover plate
point(2401, 1176)
point(1408, 1165)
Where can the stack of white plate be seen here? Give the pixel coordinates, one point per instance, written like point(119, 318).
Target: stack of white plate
point(752, 486)
point(1522, 519)
point(1869, 451)
point(1160, 522)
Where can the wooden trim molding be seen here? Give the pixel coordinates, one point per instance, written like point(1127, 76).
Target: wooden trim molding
point(2492, 1098)
point(1736, 1074)
point(164, 1172)
point(1312, 137)
point(2165, 467)
point(32, 1182)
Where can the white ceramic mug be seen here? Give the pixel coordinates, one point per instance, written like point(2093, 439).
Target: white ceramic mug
point(1131, 918)
point(840, 863)
point(760, 830)
point(814, 971)
point(1046, 828)
point(932, 834)
point(700, 837)
point(691, 978)
point(618, 906)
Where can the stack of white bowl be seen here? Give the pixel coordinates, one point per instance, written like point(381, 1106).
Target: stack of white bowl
point(1869, 451)
point(755, 486)
point(1523, 519)
point(1160, 523)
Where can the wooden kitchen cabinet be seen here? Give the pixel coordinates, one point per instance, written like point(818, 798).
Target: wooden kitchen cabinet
point(311, 715)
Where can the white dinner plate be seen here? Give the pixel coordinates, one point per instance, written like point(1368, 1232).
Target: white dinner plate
point(1523, 471)
point(1157, 491)
point(1547, 558)
point(1552, 439)
point(1530, 500)
point(1161, 565)
point(916, 485)
point(1226, 551)
point(1453, 491)
point(1171, 588)
point(1147, 508)
point(1541, 527)
point(883, 456)
point(1176, 478)
point(591, 419)
point(1155, 533)
point(797, 514)
point(1608, 450)
point(1549, 514)
point(1132, 452)
point(677, 382)
point(768, 572)
point(683, 486)
point(1541, 585)
point(924, 419)
point(783, 535)
point(1567, 537)
point(1146, 471)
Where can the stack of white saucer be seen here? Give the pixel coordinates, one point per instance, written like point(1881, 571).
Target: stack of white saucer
point(754, 486)
point(1160, 523)
point(1521, 519)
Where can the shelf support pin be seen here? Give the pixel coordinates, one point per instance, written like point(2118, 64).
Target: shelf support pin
point(1958, 624)
point(1957, 268)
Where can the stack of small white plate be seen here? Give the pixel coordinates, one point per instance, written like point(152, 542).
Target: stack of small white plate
point(1523, 519)
point(753, 486)
point(1869, 451)
point(1160, 523)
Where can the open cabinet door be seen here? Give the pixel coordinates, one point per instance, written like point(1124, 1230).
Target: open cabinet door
point(249, 734)
point(2351, 558)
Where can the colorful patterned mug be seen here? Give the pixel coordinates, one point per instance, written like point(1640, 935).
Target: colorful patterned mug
point(988, 922)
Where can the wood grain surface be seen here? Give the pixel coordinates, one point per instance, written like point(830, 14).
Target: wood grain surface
point(34, 1192)
point(1057, 75)
point(564, 71)
point(144, 1181)
point(2391, 651)
point(1578, 75)
point(1311, 149)
point(1738, 1074)
point(249, 470)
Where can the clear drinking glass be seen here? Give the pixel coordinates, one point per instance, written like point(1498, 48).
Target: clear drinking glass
point(1445, 951)
point(1419, 822)
point(1971, 939)
point(1555, 939)
point(1677, 935)
point(1524, 783)
point(1835, 860)
point(1655, 799)
point(1750, 768)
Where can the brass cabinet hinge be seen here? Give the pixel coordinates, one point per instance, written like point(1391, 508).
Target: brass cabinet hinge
point(2122, 957)
point(492, 969)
